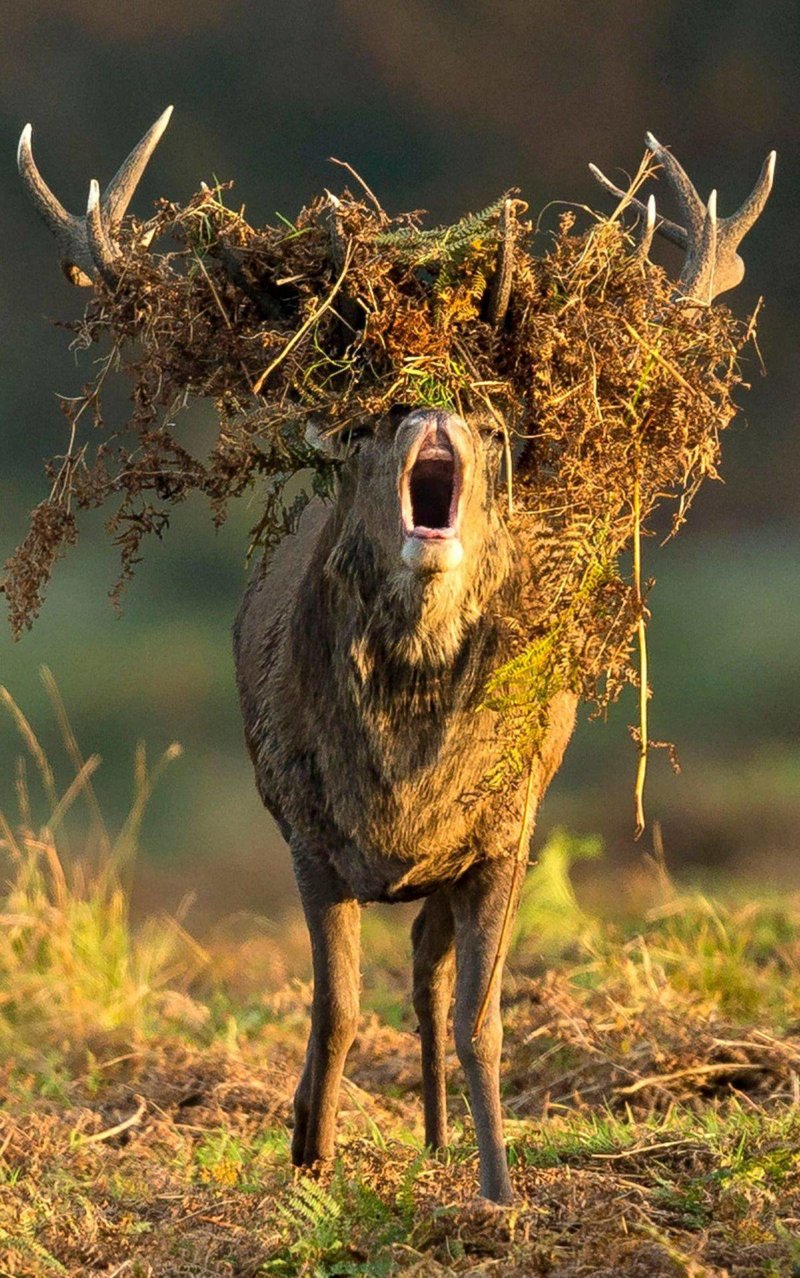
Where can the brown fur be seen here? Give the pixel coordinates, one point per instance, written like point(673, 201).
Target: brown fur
point(360, 682)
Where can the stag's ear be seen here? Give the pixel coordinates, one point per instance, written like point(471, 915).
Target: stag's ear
point(336, 444)
point(398, 413)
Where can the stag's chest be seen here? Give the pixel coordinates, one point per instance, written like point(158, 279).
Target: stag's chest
point(414, 749)
point(410, 817)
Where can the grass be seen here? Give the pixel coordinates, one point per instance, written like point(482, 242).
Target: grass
point(651, 1080)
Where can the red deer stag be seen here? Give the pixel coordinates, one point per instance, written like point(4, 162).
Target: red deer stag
point(362, 649)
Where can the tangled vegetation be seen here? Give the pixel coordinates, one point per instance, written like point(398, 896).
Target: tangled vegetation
point(611, 397)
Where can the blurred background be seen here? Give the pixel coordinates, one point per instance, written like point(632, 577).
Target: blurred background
point(439, 105)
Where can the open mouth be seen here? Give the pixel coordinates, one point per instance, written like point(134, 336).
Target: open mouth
point(431, 488)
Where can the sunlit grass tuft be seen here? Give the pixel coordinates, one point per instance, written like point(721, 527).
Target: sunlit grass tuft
point(75, 974)
point(550, 919)
point(735, 957)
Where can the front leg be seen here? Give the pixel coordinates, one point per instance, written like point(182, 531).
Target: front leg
point(478, 902)
point(333, 918)
point(434, 969)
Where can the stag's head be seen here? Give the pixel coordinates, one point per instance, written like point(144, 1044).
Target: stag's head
point(418, 517)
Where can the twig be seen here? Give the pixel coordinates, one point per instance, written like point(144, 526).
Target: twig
point(366, 189)
point(91, 397)
point(117, 1128)
point(641, 630)
point(635, 1150)
point(665, 364)
point(752, 335)
point(657, 1080)
point(312, 319)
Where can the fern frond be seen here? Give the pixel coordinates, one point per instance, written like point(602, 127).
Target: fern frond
point(309, 1206)
point(440, 243)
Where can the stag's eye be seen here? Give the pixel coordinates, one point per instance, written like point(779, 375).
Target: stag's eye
point(490, 429)
point(357, 434)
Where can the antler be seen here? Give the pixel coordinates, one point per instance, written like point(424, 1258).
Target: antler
point(712, 264)
point(85, 244)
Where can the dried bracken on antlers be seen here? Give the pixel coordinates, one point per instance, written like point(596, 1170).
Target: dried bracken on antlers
point(85, 244)
point(345, 312)
point(713, 264)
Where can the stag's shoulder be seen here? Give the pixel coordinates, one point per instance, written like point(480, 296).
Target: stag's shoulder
point(271, 597)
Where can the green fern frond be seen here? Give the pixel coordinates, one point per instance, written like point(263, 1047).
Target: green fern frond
point(524, 671)
point(440, 243)
point(309, 1207)
point(27, 1244)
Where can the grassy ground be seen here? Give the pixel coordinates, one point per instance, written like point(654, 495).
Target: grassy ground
point(651, 1082)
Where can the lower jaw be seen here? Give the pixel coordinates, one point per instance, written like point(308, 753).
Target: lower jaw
point(432, 555)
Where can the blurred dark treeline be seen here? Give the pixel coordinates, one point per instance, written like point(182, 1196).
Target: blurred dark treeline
point(440, 105)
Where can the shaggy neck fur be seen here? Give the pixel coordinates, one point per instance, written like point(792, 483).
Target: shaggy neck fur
point(409, 653)
point(417, 621)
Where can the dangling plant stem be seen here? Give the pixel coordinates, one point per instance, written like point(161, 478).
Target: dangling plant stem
point(641, 629)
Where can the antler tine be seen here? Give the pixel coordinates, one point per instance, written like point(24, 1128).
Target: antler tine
point(117, 195)
point(101, 246)
point(73, 251)
point(740, 222)
point(85, 250)
point(670, 230)
point(51, 209)
point(646, 230)
point(690, 202)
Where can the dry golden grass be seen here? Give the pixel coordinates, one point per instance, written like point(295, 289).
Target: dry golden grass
point(650, 1082)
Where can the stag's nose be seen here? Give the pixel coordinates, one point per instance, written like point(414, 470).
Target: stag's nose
point(426, 430)
point(436, 445)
